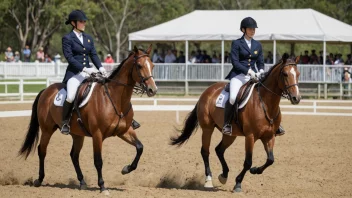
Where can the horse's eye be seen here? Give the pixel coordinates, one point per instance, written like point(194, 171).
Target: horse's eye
point(285, 74)
point(139, 66)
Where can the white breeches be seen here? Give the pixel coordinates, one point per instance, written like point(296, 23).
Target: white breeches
point(235, 85)
point(73, 84)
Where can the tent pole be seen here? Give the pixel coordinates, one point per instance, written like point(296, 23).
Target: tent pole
point(324, 59)
point(222, 59)
point(274, 52)
point(129, 45)
point(186, 70)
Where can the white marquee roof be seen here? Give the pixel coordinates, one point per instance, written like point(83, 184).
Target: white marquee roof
point(290, 24)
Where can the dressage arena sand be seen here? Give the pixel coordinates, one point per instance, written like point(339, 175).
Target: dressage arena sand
point(312, 160)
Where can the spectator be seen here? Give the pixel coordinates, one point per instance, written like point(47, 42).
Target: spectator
point(17, 57)
point(193, 58)
point(26, 54)
point(47, 58)
point(227, 57)
point(175, 54)
point(109, 59)
point(346, 75)
point(206, 57)
point(40, 55)
point(170, 57)
point(349, 60)
point(305, 58)
point(156, 58)
point(9, 55)
point(181, 58)
point(338, 60)
point(199, 57)
point(269, 58)
point(215, 59)
point(313, 58)
point(329, 60)
point(321, 60)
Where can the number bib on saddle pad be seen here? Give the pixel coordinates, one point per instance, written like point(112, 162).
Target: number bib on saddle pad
point(224, 96)
point(61, 97)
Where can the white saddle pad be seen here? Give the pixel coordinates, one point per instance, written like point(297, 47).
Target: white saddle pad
point(224, 96)
point(61, 97)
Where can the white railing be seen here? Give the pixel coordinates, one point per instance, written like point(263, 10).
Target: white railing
point(169, 71)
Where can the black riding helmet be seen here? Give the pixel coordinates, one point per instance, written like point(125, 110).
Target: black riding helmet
point(248, 22)
point(76, 15)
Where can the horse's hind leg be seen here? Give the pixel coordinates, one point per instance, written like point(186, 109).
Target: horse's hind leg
point(249, 144)
point(220, 150)
point(206, 139)
point(268, 146)
point(131, 138)
point(75, 151)
point(42, 147)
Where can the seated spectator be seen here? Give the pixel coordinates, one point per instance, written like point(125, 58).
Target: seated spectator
point(321, 57)
point(329, 60)
point(109, 59)
point(199, 57)
point(26, 54)
point(206, 57)
point(9, 55)
point(313, 58)
point(181, 58)
point(17, 57)
point(338, 60)
point(40, 55)
point(227, 58)
point(215, 59)
point(156, 58)
point(349, 60)
point(47, 58)
point(193, 58)
point(170, 57)
point(269, 58)
point(305, 58)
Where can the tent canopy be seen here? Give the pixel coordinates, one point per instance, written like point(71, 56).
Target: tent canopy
point(289, 24)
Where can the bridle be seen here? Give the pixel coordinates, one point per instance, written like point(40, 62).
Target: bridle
point(138, 66)
point(285, 93)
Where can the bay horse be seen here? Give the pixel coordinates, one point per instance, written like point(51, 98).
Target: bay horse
point(259, 119)
point(108, 113)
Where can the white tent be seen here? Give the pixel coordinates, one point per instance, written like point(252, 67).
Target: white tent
point(291, 24)
point(215, 25)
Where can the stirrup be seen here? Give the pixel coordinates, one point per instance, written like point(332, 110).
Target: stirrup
point(227, 129)
point(65, 129)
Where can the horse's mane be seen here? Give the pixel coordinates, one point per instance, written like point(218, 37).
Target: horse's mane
point(118, 68)
point(281, 61)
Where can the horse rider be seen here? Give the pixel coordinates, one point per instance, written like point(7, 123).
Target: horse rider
point(245, 53)
point(77, 46)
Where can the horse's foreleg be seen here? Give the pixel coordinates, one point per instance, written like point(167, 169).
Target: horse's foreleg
point(249, 144)
point(206, 138)
point(75, 151)
point(42, 148)
point(268, 146)
point(131, 138)
point(220, 150)
point(98, 162)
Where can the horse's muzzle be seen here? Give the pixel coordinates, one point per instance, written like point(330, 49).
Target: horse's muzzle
point(151, 91)
point(295, 99)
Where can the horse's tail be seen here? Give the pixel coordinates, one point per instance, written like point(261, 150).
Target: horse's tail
point(33, 130)
point(190, 125)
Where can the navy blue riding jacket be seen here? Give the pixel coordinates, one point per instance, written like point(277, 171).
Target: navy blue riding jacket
point(243, 58)
point(77, 54)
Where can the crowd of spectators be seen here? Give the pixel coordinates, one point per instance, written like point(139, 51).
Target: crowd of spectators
point(26, 55)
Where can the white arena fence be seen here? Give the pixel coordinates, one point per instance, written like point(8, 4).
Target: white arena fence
point(314, 107)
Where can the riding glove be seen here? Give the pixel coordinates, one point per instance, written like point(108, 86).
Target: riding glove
point(251, 73)
point(103, 71)
point(89, 70)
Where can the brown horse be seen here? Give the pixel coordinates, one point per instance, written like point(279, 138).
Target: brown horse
point(108, 113)
point(259, 119)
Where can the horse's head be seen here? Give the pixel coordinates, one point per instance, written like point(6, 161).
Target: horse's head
point(142, 71)
point(288, 79)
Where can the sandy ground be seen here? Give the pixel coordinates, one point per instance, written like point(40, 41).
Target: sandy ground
point(313, 159)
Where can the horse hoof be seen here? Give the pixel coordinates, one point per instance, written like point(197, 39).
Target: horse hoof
point(236, 190)
point(222, 179)
point(253, 170)
point(126, 170)
point(37, 183)
point(83, 187)
point(105, 192)
point(208, 185)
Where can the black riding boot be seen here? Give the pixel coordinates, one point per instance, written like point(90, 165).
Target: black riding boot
point(280, 131)
point(135, 124)
point(227, 129)
point(65, 129)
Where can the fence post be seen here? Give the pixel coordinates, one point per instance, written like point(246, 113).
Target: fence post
point(36, 69)
point(319, 90)
point(341, 90)
point(20, 89)
point(314, 106)
point(325, 91)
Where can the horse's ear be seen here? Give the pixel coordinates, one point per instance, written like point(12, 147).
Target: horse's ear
point(135, 49)
point(285, 57)
point(297, 59)
point(149, 49)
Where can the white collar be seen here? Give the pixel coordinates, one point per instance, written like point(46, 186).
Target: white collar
point(247, 41)
point(78, 34)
